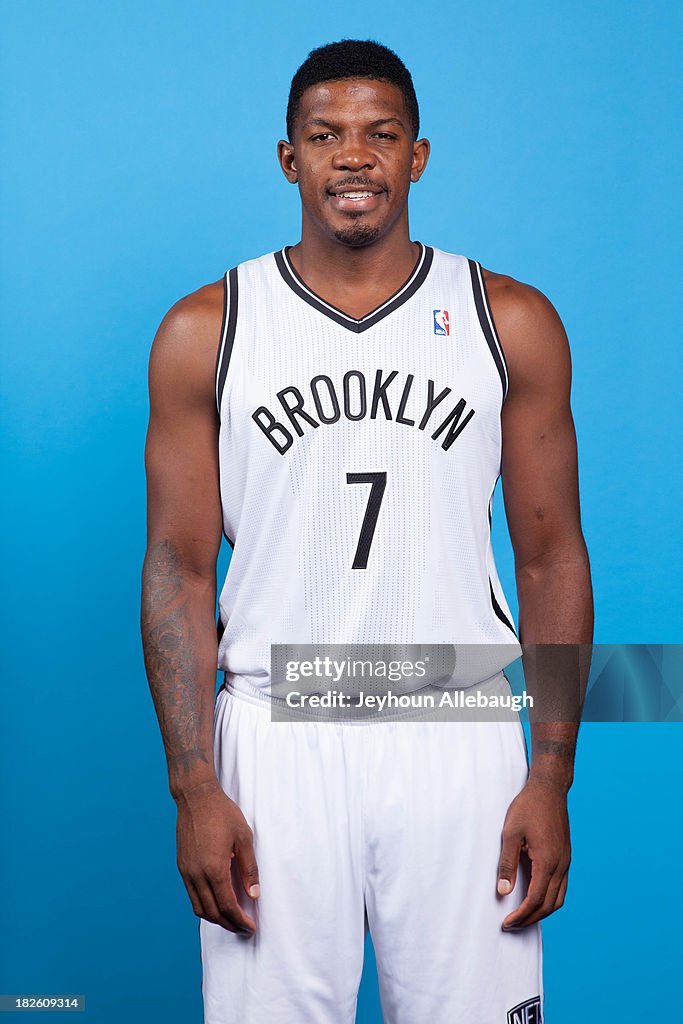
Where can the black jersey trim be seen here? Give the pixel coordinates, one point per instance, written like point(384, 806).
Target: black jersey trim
point(490, 504)
point(221, 336)
point(227, 332)
point(489, 508)
point(499, 611)
point(496, 336)
point(494, 602)
point(225, 347)
point(481, 301)
point(417, 278)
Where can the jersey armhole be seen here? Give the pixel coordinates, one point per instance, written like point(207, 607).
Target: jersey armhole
point(483, 307)
point(227, 338)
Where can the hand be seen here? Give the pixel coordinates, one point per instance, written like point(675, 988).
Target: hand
point(211, 831)
point(536, 822)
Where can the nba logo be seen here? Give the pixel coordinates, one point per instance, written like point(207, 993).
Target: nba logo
point(442, 323)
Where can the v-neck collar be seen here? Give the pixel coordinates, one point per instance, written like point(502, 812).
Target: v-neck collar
point(405, 292)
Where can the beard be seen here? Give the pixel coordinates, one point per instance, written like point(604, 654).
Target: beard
point(356, 233)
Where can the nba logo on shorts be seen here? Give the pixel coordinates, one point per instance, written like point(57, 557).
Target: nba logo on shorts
point(526, 1013)
point(441, 322)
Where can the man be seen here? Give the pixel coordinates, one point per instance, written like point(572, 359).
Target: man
point(342, 410)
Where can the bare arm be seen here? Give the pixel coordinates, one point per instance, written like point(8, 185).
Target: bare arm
point(540, 486)
point(183, 538)
point(179, 599)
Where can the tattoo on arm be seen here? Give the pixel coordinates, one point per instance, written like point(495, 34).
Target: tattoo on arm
point(552, 759)
point(171, 659)
point(563, 751)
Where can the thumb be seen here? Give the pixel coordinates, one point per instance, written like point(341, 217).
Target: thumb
point(509, 860)
point(248, 868)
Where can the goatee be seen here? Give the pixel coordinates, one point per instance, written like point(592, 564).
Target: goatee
point(357, 234)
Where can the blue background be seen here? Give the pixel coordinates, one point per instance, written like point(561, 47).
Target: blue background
point(138, 163)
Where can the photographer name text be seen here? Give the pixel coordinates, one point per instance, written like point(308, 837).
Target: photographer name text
point(390, 700)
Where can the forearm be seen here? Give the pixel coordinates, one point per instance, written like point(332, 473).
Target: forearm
point(180, 648)
point(556, 630)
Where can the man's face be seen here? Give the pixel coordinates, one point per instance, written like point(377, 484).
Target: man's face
point(353, 157)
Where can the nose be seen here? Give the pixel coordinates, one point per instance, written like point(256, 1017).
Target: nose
point(353, 154)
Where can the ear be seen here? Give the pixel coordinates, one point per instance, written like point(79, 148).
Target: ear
point(285, 155)
point(421, 150)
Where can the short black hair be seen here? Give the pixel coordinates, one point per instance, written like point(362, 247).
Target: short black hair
point(352, 58)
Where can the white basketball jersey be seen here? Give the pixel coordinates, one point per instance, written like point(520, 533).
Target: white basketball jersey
point(358, 461)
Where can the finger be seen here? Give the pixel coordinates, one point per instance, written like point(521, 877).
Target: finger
point(562, 892)
point(214, 912)
point(549, 903)
point(508, 861)
point(555, 896)
point(227, 903)
point(196, 902)
point(541, 874)
point(209, 908)
point(246, 863)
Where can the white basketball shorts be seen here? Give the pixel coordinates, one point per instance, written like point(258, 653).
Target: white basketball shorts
point(391, 826)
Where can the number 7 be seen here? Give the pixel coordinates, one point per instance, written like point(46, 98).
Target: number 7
point(367, 530)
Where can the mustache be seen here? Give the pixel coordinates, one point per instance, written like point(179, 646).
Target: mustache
point(358, 182)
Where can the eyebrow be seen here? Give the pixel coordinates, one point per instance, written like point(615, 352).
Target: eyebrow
point(319, 122)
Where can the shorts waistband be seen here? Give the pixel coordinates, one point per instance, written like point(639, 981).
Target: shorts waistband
point(244, 690)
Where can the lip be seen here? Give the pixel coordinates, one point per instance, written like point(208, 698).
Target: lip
point(355, 188)
point(358, 205)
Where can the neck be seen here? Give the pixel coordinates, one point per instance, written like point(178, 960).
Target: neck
point(325, 263)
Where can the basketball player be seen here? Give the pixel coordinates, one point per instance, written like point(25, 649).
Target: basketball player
point(360, 362)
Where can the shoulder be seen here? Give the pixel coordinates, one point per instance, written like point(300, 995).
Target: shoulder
point(191, 322)
point(529, 328)
point(185, 347)
point(515, 303)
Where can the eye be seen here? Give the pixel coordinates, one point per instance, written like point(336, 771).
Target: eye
point(322, 136)
point(384, 135)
